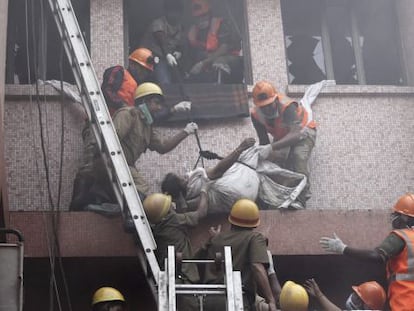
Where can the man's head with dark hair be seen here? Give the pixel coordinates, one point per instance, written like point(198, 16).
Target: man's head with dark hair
point(173, 10)
point(173, 185)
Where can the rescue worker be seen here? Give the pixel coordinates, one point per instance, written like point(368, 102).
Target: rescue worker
point(366, 296)
point(293, 297)
point(288, 123)
point(118, 87)
point(108, 299)
point(213, 45)
point(134, 126)
point(171, 228)
point(249, 257)
point(165, 38)
point(396, 251)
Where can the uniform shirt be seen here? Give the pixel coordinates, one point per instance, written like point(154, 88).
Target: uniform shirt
point(289, 118)
point(391, 246)
point(173, 36)
point(173, 230)
point(135, 134)
point(247, 247)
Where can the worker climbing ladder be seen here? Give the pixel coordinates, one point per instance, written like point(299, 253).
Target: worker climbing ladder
point(104, 131)
point(169, 289)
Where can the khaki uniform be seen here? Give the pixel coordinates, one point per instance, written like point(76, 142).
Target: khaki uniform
point(248, 247)
point(136, 136)
point(173, 230)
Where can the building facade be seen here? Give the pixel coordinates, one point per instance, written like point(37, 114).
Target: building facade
point(362, 161)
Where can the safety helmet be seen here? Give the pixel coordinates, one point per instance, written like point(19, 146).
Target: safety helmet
point(156, 206)
point(147, 88)
point(200, 7)
point(105, 294)
point(143, 57)
point(244, 213)
point(293, 297)
point(372, 294)
point(264, 93)
point(405, 205)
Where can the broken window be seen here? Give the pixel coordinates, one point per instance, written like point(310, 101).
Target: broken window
point(140, 15)
point(34, 48)
point(350, 41)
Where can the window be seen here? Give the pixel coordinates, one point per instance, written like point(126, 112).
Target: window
point(350, 41)
point(140, 14)
point(35, 54)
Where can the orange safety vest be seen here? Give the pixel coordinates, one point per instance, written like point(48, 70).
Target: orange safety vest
point(211, 44)
point(400, 272)
point(279, 130)
point(126, 91)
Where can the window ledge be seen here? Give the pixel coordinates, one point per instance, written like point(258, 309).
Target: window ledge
point(354, 90)
point(26, 90)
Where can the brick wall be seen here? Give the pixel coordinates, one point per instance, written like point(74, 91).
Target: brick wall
point(362, 158)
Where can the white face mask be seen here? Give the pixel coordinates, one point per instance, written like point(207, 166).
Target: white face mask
point(354, 303)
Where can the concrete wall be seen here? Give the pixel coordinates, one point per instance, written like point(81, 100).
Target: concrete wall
point(362, 158)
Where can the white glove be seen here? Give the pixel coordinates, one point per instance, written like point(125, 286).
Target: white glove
point(177, 55)
point(334, 245)
point(197, 68)
point(223, 67)
point(264, 151)
point(190, 128)
point(183, 106)
point(171, 60)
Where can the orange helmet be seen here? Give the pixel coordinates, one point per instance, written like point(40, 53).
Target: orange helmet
point(143, 57)
point(200, 7)
point(372, 294)
point(244, 213)
point(264, 93)
point(405, 205)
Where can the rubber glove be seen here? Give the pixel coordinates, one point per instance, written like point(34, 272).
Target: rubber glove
point(183, 106)
point(265, 151)
point(191, 128)
point(332, 245)
point(171, 60)
point(197, 68)
point(177, 55)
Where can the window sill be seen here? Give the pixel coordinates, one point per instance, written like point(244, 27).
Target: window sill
point(355, 90)
point(15, 91)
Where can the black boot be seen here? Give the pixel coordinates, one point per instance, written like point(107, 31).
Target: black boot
point(81, 187)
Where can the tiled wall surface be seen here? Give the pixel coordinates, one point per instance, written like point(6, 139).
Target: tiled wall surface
point(362, 158)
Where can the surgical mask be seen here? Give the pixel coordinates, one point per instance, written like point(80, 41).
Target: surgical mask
point(147, 114)
point(354, 303)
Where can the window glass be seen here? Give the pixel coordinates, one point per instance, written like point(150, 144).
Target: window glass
point(303, 38)
point(352, 42)
point(377, 24)
point(36, 54)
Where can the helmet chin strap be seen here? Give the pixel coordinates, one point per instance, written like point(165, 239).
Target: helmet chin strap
point(147, 114)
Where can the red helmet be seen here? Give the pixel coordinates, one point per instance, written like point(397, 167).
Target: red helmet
point(372, 294)
point(143, 57)
point(405, 205)
point(264, 93)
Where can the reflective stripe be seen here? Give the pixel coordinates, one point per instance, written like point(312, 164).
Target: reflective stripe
point(402, 277)
point(410, 252)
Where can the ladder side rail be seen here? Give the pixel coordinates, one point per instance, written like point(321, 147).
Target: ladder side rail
point(88, 84)
point(163, 290)
point(238, 291)
point(171, 279)
point(228, 264)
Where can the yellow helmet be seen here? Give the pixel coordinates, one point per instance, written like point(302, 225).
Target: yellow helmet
point(244, 213)
point(104, 294)
point(156, 206)
point(147, 88)
point(143, 57)
point(293, 297)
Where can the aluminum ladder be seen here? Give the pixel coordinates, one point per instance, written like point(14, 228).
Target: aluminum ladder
point(169, 289)
point(105, 133)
